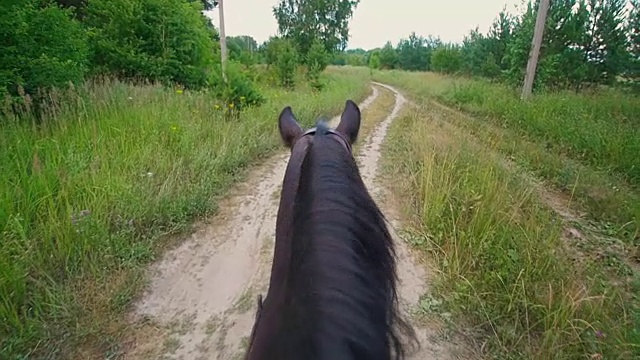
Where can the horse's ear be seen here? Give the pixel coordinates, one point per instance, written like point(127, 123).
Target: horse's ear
point(288, 125)
point(350, 121)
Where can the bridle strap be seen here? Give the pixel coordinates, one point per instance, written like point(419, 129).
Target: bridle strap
point(344, 141)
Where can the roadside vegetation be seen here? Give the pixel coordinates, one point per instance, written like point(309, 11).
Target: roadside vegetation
point(530, 209)
point(119, 131)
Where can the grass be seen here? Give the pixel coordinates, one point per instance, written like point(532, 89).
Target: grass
point(505, 271)
point(372, 116)
point(585, 145)
point(537, 239)
point(602, 129)
point(90, 195)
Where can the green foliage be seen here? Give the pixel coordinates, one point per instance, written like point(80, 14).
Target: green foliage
point(42, 47)
point(496, 230)
point(357, 57)
point(446, 59)
point(388, 56)
point(374, 60)
point(160, 40)
point(239, 92)
point(589, 143)
point(89, 195)
point(270, 50)
point(243, 49)
point(414, 53)
point(586, 43)
point(286, 61)
point(633, 28)
point(304, 21)
point(317, 57)
point(317, 61)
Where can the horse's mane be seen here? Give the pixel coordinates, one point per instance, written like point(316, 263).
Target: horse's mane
point(342, 281)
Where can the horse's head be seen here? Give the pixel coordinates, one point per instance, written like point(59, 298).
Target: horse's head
point(297, 140)
point(332, 291)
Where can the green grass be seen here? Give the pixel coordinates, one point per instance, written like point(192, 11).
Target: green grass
point(508, 268)
point(505, 271)
point(601, 129)
point(586, 145)
point(88, 197)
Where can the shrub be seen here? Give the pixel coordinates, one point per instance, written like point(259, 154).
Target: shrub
point(317, 61)
point(239, 92)
point(446, 59)
point(159, 40)
point(42, 47)
point(286, 62)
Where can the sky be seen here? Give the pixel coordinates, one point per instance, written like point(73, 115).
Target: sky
point(375, 22)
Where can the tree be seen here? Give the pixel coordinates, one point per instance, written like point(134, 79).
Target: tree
point(388, 57)
point(611, 52)
point(474, 52)
point(356, 57)
point(42, 47)
point(283, 55)
point(243, 49)
point(303, 21)
point(317, 57)
point(208, 4)
point(446, 59)
point(633, 29)
point(374, 60)
point(414, 53)
point(161, 40)
point(317, 60)
point(499, 36)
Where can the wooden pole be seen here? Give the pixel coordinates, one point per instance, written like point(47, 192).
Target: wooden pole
point(536, 43)
point(223, 41)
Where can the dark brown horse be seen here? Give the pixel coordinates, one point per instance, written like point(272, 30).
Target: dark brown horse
point(332, 292)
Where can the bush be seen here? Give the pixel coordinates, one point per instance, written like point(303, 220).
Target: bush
point(446, 60)
point(317, 58)
point(317, 61)
point(286, 62)
point(374, 60)
point(42, 47)
point(159, 40)
point(239, 92)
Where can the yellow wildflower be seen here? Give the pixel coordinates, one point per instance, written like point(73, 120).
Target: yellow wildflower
point(217, 107)
point(231, 105)
point(179, 91)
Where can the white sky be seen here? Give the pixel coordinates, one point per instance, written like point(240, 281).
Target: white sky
point(376, 21)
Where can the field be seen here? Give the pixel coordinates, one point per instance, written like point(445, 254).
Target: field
point(92, 195)
point(528, 212)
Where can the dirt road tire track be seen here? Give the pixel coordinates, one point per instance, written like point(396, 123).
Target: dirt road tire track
point(203, 292)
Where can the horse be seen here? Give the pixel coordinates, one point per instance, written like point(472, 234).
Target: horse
point(332, 291)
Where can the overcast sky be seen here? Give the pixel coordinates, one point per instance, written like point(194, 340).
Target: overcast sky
point(376, 21)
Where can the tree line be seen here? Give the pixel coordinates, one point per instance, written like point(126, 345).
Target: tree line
point(54, 43)
point(586, 43)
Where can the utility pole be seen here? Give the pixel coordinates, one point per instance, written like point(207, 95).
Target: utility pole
point(536, 43)
point(223, 41)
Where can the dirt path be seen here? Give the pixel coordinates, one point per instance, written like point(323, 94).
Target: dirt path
point(202, 297)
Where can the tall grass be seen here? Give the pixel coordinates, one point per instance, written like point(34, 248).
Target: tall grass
point(504, 269)
point(88, 194)
point(600, 128)
point(587, 145)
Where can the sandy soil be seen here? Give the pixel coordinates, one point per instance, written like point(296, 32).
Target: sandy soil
point(202, 294)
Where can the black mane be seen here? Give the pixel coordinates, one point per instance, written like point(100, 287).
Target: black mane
point(342, 280)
